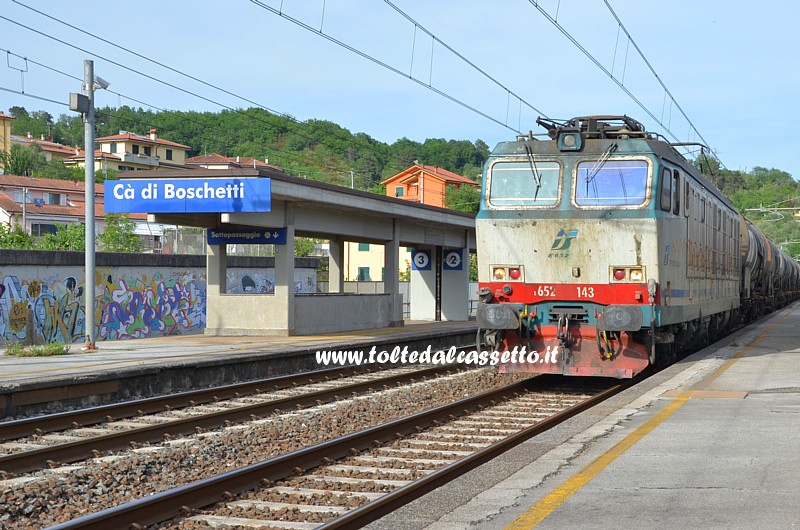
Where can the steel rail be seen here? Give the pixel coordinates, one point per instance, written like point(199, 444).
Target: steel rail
point(182, 500)
point(14, 429)
point(24, 461)
point(390, 502)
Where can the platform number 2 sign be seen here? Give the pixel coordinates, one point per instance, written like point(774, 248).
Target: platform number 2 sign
point(421, 260)
point(452, 260)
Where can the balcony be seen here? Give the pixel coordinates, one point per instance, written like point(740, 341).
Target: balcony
point(142, 160)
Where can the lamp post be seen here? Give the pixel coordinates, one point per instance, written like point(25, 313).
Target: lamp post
point(84, 103)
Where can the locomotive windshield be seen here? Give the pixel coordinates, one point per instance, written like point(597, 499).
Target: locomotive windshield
point(524, 183)
point(613, 183)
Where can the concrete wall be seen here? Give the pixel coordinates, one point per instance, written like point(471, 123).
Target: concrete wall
point(323, 313)
point(244, 314)
point(137, 295)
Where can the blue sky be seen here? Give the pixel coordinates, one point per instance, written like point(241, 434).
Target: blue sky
point(731, 66)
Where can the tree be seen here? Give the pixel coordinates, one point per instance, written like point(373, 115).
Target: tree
point(55, 169)
point(304, 246)
point(462, 198)
point(120, 235)
point(67, 237)
point(473, 267)
point(16, 237)
point(23, 161)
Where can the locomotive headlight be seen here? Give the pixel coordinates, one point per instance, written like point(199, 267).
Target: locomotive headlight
point(636, 275)
point(499, 273)
point(515, 273)
point(619, 274)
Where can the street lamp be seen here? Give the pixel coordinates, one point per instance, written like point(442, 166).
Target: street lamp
point(84, 103)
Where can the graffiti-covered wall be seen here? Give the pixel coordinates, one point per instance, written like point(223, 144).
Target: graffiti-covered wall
point(136, 295)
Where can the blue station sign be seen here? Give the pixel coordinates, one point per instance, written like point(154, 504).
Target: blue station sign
point(190, 195)
point(260, 236)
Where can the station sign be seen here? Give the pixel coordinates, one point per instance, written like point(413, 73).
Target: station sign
point(453, 260)
point(421, 260)
point(261, 236)
point(189, 195)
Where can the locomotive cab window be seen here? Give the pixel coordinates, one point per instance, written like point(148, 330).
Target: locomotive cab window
point(613, 183)
point(524, 183)
point(676, 201)
point(666, 190)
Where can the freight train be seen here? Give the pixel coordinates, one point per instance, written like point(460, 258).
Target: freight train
point(603, 250)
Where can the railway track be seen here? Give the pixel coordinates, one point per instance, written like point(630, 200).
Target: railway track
point(357, 478)
point(40, 442)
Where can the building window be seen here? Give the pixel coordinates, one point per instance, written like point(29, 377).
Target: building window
point(147, 151)
point(399, 191)
point(169, 154)
point(113, 147)
point(54, 198)
point(40, 229)
point(126, 168)
point(363, 274)
point(364, 247)
point(135, 149)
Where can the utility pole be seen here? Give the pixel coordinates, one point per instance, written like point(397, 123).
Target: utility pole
point(88, 141)
point(84, 103)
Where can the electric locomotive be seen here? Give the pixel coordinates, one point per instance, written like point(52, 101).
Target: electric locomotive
point(603, 250)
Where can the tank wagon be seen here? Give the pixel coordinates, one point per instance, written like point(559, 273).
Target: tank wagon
point(603, 250)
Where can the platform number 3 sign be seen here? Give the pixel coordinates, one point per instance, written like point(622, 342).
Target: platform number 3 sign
point(452, 260)
point(421, 260)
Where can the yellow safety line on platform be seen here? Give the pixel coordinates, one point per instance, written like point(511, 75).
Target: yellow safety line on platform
point(547, 505)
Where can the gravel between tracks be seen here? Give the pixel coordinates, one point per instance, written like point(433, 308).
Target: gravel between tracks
point(53, 496)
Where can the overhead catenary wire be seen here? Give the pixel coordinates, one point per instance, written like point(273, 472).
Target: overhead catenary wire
point(617, 81)
point(184, 74)
point(171, 85)
point(383, 64)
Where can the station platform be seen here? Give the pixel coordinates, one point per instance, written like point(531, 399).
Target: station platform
point(128, 369)
point(710, 442)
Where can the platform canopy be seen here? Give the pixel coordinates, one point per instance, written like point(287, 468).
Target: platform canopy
point(300, 207)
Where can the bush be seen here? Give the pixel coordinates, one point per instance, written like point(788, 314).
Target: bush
point(44, 350)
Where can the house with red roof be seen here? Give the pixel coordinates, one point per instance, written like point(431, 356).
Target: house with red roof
point(418, 183)
point(424, 184)
point(218, 161)
point(129, 151)
point(40, 205)
point(51, 149)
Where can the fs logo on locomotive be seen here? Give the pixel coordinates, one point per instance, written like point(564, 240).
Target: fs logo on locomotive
point(560, 247)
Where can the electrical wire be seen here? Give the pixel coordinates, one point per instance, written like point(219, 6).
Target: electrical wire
point(26, 94)
point(597, 63)
point(460, 56)
point(383, 64)
point(186, 91)
point(196, 79)
point(289, 154)
point(666, 90)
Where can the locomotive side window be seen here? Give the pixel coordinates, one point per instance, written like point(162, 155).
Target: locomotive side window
point(666, 190)
point(613, 183)
point(687, 201)
point(524, 183)
point(676, 202)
